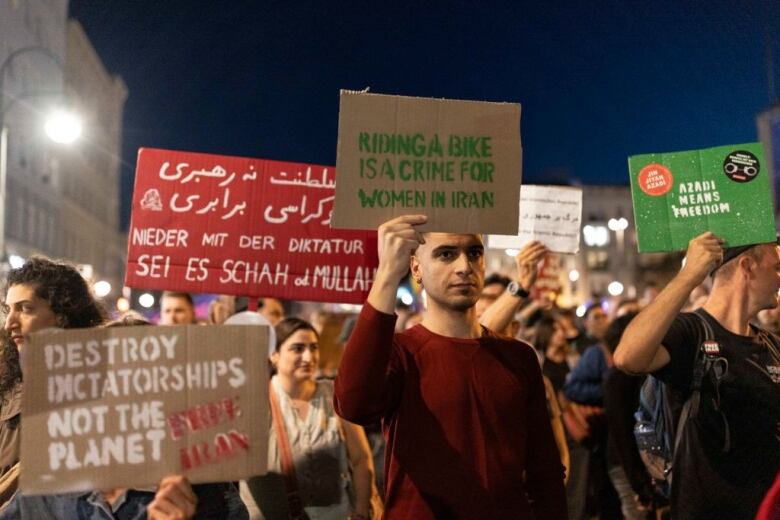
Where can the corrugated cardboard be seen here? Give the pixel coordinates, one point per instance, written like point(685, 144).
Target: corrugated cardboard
point(403, 155)
point(215, 430)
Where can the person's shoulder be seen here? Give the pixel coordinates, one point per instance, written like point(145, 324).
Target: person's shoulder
point(516, 346)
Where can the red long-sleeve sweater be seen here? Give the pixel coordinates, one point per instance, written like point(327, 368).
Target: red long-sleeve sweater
point(466, 423)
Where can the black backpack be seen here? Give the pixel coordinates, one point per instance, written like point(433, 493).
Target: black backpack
point(654, 430)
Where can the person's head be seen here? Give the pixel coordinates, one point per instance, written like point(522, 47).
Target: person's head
point(44, 293)
point(176, 308)
point(495, 285)
point(131, 319)
point(297, 350)
point(648, 295)
point(272, 309)
point(754, 270)
point(596, 321)
point(615, 330)
point(451, 269)
point(627, 306)
point(549, 334)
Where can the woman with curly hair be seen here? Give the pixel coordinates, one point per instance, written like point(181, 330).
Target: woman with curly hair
point(40, 294)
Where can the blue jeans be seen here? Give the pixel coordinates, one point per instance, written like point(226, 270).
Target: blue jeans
point(218, 501)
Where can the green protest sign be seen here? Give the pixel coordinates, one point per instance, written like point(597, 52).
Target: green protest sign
point(680, 195)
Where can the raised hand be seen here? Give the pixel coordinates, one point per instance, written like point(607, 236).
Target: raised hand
point(528, 263)
point(705, 253)
point(174, 500)
point(398, 239)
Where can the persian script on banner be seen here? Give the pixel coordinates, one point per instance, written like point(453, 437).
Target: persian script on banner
point(550, 214)
point(249, 227)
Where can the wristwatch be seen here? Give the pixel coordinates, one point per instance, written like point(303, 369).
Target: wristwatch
point(516, 290)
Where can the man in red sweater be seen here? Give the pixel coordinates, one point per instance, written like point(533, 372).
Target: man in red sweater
point(463, 409)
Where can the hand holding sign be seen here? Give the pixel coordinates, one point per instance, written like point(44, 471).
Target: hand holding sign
point(528, 263)
point(398, 239)
point(174, 499)
point(705, 253)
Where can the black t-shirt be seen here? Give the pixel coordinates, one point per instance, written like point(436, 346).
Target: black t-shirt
point(708, 483)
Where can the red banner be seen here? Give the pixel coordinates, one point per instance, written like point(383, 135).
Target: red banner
point(250, 227)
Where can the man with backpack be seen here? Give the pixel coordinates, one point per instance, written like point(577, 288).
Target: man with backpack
point(721, 375)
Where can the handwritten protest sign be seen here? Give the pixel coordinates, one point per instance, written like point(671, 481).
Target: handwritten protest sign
point(679, 195)
point(459, 162)
point(123, 407)
point(249, 227)
point(549, 214)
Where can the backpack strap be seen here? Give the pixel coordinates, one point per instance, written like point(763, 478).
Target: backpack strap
point(707, 361)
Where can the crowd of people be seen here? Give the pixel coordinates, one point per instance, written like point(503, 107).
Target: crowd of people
point(486, 404)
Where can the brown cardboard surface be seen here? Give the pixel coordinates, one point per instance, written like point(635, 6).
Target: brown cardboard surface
point(403, 155)
point(105, 408)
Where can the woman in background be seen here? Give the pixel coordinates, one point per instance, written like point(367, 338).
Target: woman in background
point(319, 465)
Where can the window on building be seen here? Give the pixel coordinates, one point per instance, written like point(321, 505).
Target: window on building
point(597, 260)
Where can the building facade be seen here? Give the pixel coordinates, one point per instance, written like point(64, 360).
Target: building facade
point(61, 200)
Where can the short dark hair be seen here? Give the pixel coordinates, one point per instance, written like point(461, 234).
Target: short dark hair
point(616, 329)
point(496, 278)
point(63, 288)
point(289, 326)
point(592, 307)
point(545, 328)
point(176, 294)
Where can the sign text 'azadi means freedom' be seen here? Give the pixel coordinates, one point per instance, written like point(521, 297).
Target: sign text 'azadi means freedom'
point(249, 227)
point(126, 406)
point(679, 195)
point(459, 162)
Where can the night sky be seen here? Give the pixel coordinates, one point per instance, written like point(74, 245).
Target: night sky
point(598, 80)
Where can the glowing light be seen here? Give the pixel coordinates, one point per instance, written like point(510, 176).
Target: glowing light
point(580, 312)
point(615, 288)
point(597, 236)
point(574, 275)
point(63, 127)
point(122, 305)
point(102, 288)
point(146, 300)
point(512, 252)
point(617, 224)
point(404, 295)
point(15, 261)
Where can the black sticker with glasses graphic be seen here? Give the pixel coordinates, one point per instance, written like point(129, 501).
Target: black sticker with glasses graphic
point(741, 166)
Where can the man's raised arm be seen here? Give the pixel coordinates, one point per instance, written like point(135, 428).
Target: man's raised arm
point(368, 382)
point(640, 349)
point(498, 316)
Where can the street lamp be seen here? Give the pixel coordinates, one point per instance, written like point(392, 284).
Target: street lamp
point(61, 127)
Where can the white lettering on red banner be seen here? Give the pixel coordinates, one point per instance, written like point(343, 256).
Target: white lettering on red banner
point(249, 227)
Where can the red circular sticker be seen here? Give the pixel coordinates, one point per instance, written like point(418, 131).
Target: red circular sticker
point(655, 179)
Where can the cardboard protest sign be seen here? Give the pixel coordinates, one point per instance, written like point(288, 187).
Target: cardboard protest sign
point(249, 227)
point(126, 406)
point(458, 162)
point(680, 195)
point(549, 214)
